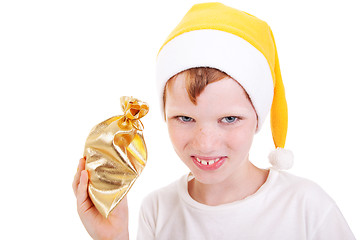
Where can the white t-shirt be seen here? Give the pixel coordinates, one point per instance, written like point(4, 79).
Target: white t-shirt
point(285, 207)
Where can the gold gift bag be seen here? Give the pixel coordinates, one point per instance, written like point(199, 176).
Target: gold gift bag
point(116, 155)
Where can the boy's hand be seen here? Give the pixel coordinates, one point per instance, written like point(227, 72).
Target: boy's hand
point(114, 227)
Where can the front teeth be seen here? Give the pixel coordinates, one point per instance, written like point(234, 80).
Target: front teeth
point(207, 163)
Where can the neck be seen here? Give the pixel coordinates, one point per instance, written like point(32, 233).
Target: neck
point(235, 188)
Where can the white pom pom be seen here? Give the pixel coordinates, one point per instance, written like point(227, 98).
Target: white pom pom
point(281, 159)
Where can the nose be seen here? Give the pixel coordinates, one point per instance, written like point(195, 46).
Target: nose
point(206, 139)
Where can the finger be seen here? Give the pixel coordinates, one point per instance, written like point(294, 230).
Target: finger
point(83, 201)
point(82, 193)
point(81, 166)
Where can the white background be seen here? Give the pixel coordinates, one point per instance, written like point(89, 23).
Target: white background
point(65, 64)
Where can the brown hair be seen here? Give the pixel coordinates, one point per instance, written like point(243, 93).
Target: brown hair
point(196, 81)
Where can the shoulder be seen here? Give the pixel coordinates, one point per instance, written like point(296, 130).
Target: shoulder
point(158, 206)
point(286, 181)
point(165, 196)
point(323, 218)
point(301, 191)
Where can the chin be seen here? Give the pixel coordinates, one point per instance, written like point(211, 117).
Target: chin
point(214, 177)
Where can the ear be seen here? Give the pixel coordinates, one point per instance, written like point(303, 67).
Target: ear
point(257, 123)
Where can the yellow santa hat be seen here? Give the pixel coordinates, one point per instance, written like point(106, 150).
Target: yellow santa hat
point(241, 45)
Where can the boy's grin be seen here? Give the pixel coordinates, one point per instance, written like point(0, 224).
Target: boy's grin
point(208, 163)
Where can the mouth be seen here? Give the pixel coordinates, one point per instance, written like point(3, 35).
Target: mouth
point(208, 163)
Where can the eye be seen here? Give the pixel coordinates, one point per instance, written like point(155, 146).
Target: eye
point(185, 119)
point(230, 119)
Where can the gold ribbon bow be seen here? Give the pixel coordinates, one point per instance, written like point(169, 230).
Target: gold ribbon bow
point(116, 154)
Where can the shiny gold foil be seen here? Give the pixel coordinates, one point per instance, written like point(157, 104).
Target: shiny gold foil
point(116, 154)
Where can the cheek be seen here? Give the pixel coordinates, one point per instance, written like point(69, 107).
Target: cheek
point(240, 139)
point(178, 136)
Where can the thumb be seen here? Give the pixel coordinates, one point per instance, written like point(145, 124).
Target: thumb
point(120, 215)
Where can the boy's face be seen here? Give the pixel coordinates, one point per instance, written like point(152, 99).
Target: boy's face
point(213, 138)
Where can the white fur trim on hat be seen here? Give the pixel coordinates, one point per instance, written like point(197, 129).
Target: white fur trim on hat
point(281, 159)
point(224, 51)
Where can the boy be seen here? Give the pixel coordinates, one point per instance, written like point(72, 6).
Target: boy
point(218, 75)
